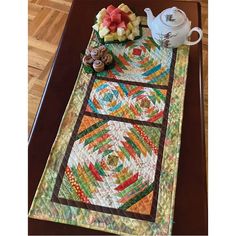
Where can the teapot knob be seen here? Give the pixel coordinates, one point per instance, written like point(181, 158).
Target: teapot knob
point(174, 9)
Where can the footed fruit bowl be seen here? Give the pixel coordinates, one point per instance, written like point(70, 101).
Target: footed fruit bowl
point(117, 24)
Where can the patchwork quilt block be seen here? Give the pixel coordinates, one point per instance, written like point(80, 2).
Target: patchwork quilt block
point(113, 164)
point(139, 61)
point(127, 101)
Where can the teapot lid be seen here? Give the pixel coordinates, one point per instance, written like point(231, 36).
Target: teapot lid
point(173, 17)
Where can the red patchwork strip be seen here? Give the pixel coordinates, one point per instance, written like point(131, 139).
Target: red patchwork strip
point(135, 90)
point(98, 140)
point(104, 148)
point(95, 172)
point(123, 60)
point(111, 75)
point(128, 182)
point(118, 68)
point(76, 187)
point(156, 117)
point(137, 52)
point(129, 149)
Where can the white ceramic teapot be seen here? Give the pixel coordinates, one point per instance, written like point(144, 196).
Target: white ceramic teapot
point(171, 28)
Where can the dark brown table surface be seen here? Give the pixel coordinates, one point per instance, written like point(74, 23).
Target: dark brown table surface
point(190, 216)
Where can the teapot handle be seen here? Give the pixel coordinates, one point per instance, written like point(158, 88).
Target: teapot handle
point(187, 42)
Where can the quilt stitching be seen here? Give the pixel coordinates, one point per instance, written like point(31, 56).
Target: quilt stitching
point(136, 215)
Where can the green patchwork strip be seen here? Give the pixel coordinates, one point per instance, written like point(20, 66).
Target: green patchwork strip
point(91, 128)
point(159, 94)
point(119, 168)
point(90, 176)
point(66, 189)
point(147, 147)
point(133, 145)
point(137, 198)
point(124, 177)
point(125, 152)
point(100, 169)
point(101, 144)
point(97, 135)
point(81, 183)
point(106, 152)
point(130, 188)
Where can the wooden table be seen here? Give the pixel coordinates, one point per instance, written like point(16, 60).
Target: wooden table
point(190, 215)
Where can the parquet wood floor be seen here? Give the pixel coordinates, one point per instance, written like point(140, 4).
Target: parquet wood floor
point(46, 20)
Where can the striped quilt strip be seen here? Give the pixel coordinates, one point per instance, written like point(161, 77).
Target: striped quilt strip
point(114, 162)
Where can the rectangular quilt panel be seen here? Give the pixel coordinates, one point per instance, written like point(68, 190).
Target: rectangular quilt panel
point(113, 165)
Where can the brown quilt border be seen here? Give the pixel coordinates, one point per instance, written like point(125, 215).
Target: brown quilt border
point(163, 127)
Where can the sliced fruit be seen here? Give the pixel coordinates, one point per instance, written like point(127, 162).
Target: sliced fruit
point(125, 17)
point(115, 36)
point(136, 22)
point(101, 13)
point(116, 11)
point(117, 23)
point(120, 31)
point(116, 18)
point(96, 26)
point(132, 17)
point(131, 37)
point(101, 26)
point(113, 27)
point(126, 9)
point(136, 31)
point(127, 32)
point(104, 31)
point(122, 25)
point(110, 8)
point(108, 38)
point(106, 22)
point(138, 18)
point(121, 5)
point(106, 16)
point(99, 20)
point(130, 26)
point(122, 38)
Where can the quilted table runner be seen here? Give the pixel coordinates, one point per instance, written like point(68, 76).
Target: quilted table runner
point(113, 165)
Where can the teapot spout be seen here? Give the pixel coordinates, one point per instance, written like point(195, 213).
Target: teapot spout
point(150, 17)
